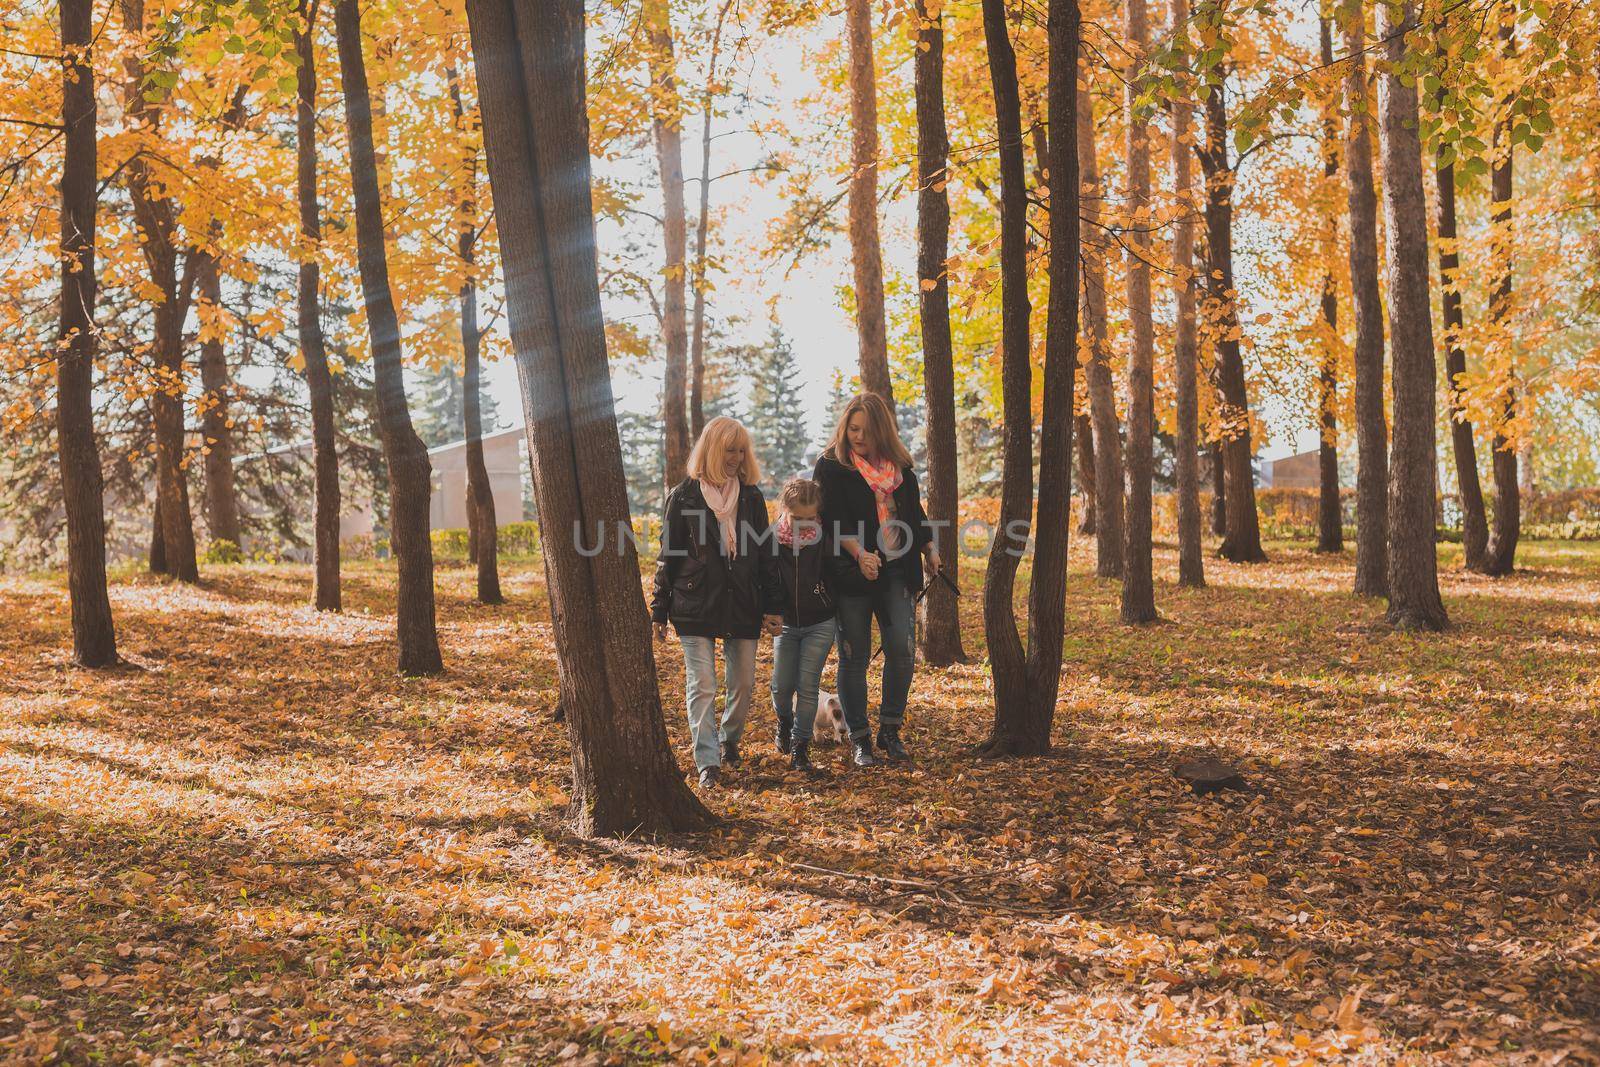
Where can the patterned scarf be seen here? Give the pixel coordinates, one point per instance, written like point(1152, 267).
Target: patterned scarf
point(883, 479)
point(810, 533)
point(724, 500)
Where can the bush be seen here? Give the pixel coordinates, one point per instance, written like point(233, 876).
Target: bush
point(516, 540)
point(222, 551)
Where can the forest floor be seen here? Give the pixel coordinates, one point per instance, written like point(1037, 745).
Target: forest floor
point(258, 843)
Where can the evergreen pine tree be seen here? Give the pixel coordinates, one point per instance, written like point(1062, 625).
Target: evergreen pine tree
point(776, 418)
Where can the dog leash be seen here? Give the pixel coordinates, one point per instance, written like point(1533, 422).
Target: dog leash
point(938, 575)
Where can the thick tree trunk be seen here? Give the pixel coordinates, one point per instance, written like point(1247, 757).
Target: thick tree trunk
point(313, 352)
point(158, 227)
point(1191, 560)
point(667, 125)
point(1241, 542)
point(1330, 518)
point(1138, 589)
point(483, 526)
point(1372, 429)
point(222, 500)
point(1083, 437)
point(1469, 491)
point(1108, 482)
point(530, 59)
point(410, 476)
point(866, 257)
point(941, 622)
point(158, 540)
point(1026, 688)
point(1501, 555)
point(94, 637)
point(1414, 601)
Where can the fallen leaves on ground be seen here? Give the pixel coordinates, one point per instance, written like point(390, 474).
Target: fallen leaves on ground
point(259, 843)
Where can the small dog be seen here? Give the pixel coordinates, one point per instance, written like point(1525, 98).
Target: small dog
point(829, 728)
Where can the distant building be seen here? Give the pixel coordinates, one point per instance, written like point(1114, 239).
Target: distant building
point(1303, 471)
point(447, 506)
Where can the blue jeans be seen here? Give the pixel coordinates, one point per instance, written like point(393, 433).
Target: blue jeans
point(700, 677)
point(891, 602)
point(798, 656)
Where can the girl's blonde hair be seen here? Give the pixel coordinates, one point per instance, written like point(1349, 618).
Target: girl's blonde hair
point(881, 429)
point(800, 492)
point(714, 440)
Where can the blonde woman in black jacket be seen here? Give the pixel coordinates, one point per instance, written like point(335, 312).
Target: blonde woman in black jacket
point(716, 578)
point(872, 512)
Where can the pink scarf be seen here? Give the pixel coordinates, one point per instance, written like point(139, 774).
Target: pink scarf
point(724, 501)
point(810, 533)
point(883, 479)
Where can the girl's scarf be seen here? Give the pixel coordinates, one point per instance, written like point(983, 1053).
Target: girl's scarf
point(809, 534)
point(724, 501)
point(883, 479)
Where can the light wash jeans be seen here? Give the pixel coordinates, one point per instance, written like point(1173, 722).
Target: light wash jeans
point(798, 656)
point(700, 676)
point(890, 601)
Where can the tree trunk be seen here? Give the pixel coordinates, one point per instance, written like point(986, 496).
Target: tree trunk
point(158, 540)
point(1469, 491)
point(410, 476)
point(157, 223)
point(1013, 729)
point(866, 257)
point(667, 125)
point(1501, 555)
point(483, 527)
point(1414, 601)
point(697, 350)
point(1191, 560)
point(1241, 542)
point(1108, 502)
point(222, 501)
point(1083, 437)
point(1330, 517)
point(1219, 492)
point(313, 353)
point(941, 622)
point(1026, 688)
point(1372, 429)
point(530, 58)
point(94, 637)
point(1138, 589)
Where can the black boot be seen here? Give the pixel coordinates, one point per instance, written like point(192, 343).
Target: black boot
point(785, 735)
point(801, 760)
point(889, 741)
point(730, 753)
point(863, 756)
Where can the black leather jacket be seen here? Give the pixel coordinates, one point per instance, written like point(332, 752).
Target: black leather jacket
point(698, 588)
point(849, 509)
point(805, 574)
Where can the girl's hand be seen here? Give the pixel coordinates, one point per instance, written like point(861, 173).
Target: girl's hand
point(661, 631)
point(773, 625)
point(869, 562)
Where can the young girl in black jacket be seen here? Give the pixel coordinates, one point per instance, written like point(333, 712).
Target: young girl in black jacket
point(872, 514)
point(801, 650)
point(715, 578)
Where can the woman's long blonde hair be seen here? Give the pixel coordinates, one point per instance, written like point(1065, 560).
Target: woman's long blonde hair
point(881, 429)
point(714, 440)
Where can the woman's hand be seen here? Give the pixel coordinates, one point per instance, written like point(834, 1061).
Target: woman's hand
point(773, 625)
point(869, 563)
point(661, 631)
point(930, 558)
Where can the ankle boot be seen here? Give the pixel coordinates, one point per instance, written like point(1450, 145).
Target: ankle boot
point(862, 756)
point(889, 741)
point(785, 733)
point(801, 760)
